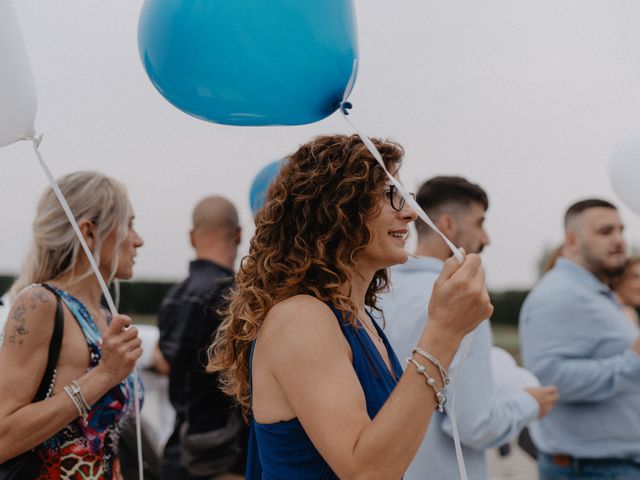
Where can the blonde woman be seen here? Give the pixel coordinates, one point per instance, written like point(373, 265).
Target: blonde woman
point(67, 414)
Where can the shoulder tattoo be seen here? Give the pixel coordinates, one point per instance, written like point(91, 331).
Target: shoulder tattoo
point(19, 330)
point(19, 315)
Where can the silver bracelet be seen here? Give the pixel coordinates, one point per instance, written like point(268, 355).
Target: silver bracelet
point(441, 400)
point(75, 394)
point(443, 371)
point(87, 407)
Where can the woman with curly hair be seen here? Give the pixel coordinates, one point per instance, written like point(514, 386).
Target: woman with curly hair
point(299, 348)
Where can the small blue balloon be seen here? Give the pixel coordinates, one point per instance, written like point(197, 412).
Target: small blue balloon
point(250, 62)
point(260, 185)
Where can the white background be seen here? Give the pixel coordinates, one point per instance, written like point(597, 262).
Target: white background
point(527, 98)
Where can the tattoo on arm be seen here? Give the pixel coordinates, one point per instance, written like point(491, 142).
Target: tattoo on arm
point(38, 296)
point(19, 329)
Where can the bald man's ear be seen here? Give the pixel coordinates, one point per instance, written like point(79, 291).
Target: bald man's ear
point(237, 236)
point(192, 238)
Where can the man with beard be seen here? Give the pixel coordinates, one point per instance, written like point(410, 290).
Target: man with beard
point(458, 208)
point(574, 334)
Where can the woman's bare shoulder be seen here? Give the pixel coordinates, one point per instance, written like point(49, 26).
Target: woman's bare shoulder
point(299, 309)
point(300, 318)
point(30, 319)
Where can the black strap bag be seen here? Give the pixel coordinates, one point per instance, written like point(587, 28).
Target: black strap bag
point(26, 466)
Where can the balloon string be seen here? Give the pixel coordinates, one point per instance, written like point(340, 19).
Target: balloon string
point(36, 140)
point(344, 107)
point(452, 414)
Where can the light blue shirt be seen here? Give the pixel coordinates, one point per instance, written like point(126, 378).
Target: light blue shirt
point(574, 335)
point(482, 421)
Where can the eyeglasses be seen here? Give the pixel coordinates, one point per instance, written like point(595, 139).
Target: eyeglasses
point(395, 198)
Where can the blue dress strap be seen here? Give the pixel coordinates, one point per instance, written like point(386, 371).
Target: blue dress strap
point(254, 467)
point(283, 451)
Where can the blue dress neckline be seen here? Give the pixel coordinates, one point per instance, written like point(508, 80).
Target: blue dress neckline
point(282, 450)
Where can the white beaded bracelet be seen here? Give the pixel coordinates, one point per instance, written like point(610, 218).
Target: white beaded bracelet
point(443, 371)
point(441, 400)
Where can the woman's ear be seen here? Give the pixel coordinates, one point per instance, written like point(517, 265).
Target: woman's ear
point(88, 230)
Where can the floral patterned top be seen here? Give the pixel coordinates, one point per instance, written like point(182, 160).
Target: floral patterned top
point(87, 450)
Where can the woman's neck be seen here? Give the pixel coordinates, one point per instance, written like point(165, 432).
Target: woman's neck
point(357, 289)
point(87, 290)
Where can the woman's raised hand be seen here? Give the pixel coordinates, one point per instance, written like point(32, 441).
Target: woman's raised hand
point(460, 300)
point(121, 348)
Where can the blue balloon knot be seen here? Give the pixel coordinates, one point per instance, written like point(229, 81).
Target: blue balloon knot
point(345, 107)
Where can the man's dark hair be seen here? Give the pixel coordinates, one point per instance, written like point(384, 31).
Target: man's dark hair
point(441, 191)
point(579, 207)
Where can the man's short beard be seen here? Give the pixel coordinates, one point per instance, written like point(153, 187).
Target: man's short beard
point(611, 272)
point(600, 270)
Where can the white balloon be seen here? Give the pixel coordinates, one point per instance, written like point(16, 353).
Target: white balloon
point(624, 171)
point(508, 378)
point(17, 90)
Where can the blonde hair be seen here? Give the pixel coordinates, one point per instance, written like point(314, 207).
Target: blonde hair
point(54, 247)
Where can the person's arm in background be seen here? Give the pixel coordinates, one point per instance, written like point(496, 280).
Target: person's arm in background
point(557, 337)
point(170, 325)
point(482, 421)
point(174, 318)
point(160, 363)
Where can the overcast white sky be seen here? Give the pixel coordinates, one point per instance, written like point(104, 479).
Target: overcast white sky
point(527, 98)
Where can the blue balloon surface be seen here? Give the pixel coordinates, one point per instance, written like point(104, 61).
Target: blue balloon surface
point(250, 62)
point(260, 185)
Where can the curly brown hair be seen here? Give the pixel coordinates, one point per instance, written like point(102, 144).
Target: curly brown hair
point(307, 239)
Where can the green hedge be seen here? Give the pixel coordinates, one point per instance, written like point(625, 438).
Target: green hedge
point(507, 306)
point(5, 283)
point(145, 297)
point(135, 297)
point(142, 297)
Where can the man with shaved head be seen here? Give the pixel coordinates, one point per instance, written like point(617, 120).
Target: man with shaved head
point(575, 335)
point(208, 439)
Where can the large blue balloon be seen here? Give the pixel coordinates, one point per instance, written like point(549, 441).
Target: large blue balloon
point(260, 185)
point(250, 62)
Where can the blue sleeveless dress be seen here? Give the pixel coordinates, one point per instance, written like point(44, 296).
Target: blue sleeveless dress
point(283, 451)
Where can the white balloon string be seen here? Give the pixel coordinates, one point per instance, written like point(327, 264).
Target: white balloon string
point(421, 213)
point(103, 286)
point(344, 109)
point(452, 411)
point(405, 194)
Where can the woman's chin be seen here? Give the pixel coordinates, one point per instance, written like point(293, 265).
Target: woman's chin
point(398, 258)
point(124, 275)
